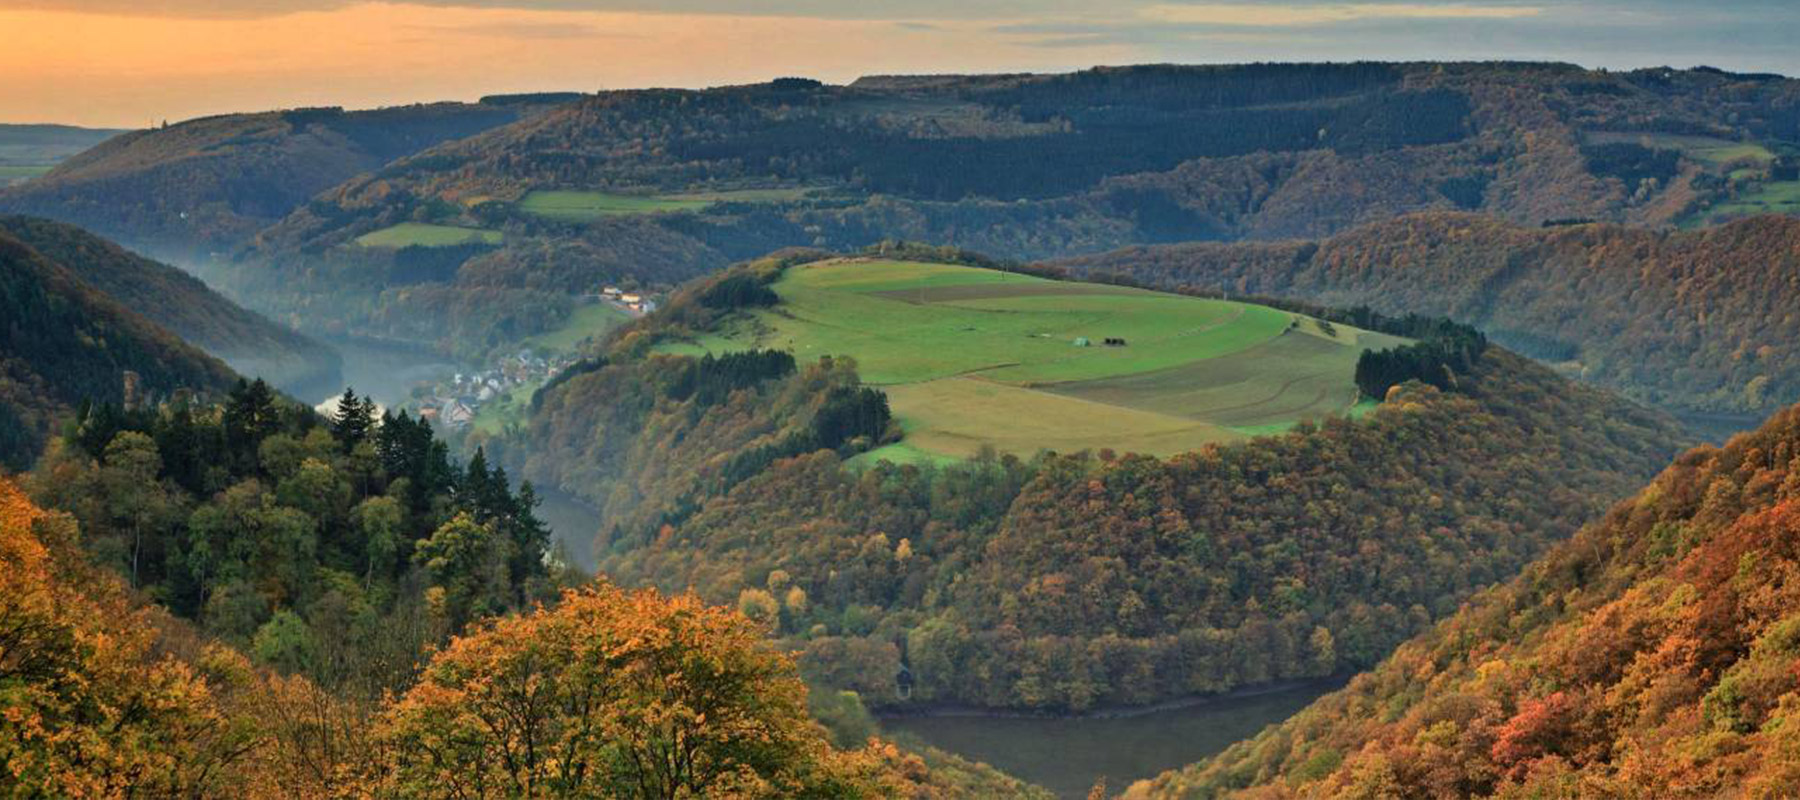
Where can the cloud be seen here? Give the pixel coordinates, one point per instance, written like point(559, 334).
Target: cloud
point(1277, 15)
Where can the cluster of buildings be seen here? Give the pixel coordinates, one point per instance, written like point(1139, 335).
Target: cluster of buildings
point(633, 302)
point(453, 402)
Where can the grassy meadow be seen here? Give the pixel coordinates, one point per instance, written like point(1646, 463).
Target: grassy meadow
point(579, 206)
point(588, 321)
point(973, 358)
point(424, 235)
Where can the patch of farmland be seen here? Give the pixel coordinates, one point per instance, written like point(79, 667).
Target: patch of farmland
point(423, 235)
point(959, 416)
point(582, 206)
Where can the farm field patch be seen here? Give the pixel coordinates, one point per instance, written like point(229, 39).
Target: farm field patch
point(580, 206)
point(588, 321)
point(424, 235)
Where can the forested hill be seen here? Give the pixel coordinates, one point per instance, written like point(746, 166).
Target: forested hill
point(1691, 320)
point(1065, 581)
point(658, 186)
point(64, 342)
point(1650, 656)
point(184, 192)
point(250, 343)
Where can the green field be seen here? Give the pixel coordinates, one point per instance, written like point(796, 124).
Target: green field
point(587, 322)
point(1780, 197)
point(24, 170)
point(20, 173)
point(424, 235)
point(577, 206)
point(974, 358)
point(1708, 150)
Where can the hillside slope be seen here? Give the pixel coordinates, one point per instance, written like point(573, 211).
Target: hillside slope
point(1064, 581)
point(63, 342)
point(1650, 656)
point(1696, 320)
point(181, 303)
point(189, 191)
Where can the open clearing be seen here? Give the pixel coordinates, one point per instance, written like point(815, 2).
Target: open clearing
point(588, 321)
point(424, 235)
point(1712, 151)
point(973, 358)
point(577, 206)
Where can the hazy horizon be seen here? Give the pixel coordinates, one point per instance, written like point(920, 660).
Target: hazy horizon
point(111, 63)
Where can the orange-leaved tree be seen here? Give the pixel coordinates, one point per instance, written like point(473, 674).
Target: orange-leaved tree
point(616, 694)
point(88, 706)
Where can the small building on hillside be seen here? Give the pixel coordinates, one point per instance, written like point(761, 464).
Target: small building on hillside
point(1082, 341)
point(456, 414)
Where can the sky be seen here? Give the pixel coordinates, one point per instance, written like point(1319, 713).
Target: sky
point(136, 63)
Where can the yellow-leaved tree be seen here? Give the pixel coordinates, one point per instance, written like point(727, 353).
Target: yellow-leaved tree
point(617, 694)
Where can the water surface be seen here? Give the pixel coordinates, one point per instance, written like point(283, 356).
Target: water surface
point(1067, 755)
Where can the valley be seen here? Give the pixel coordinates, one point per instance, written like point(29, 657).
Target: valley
point(1335, 429)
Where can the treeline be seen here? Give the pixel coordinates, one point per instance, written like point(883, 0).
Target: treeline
point(339, 549)
point(1650, 655)
point(1445, 350)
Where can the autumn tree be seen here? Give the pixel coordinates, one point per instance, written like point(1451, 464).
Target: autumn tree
point(613, 694)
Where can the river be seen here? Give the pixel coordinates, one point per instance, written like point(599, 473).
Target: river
point(1068, 754)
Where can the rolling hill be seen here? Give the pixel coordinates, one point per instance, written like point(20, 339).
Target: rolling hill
point(64, 342)
point(659, 186)
point(191, 191)
point(1652, 655)
point(1061, 581)
point(1694, 321)
point(974, 358)
point(182, 304)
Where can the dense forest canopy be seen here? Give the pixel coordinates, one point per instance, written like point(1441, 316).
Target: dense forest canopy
point(106, 695)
